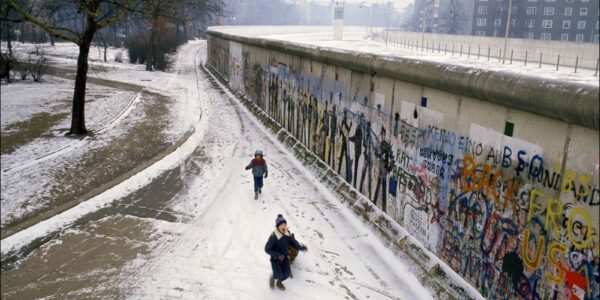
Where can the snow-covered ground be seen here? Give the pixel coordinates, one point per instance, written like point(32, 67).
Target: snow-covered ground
point(217, 250)
point(355, 42)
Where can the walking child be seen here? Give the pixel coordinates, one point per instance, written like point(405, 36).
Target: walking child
point(259, 169)
point(277, 247)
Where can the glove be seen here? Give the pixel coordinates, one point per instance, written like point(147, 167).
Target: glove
point(266, 174)
point(281, 258)
point(248, 168)
point(304, 248)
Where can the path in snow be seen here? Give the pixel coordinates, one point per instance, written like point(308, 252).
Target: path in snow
point(220, 252)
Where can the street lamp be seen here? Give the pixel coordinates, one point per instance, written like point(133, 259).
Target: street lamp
point(507, 29)
point(370, 6)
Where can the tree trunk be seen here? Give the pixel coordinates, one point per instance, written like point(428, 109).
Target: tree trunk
point(78, 112)
point(151, 57)
point(105, 47)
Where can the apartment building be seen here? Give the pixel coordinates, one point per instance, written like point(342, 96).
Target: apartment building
point(563, 20)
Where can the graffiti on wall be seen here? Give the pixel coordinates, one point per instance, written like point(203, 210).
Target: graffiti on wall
point(513, 220)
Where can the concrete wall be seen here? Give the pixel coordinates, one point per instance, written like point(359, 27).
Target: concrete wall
point(516, 216)
point(585, 54)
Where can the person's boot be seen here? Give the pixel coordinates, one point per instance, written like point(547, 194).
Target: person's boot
point(260, 191)
point(256, 195)
point(271, 281)
point(280, 285)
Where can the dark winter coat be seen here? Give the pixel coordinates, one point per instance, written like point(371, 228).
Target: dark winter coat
point(277, 246)
point(258, 166)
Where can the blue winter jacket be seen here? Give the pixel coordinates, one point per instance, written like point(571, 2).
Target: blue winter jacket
point(278, 244)
point(258, 166)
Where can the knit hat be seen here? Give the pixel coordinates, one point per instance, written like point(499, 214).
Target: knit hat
point(258, 152)
point(279, 220)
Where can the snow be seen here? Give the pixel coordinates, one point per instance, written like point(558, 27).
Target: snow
point(140, 179)
point(355, 42)
point(218, 253)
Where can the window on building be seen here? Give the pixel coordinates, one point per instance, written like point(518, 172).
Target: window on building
point(568, 11)
point(513, 22)
point(545, 36)
point(566, 24)
point(481, 22)
point(549, 11)
point(583, 11)
point(585, 0)
point(532, 0)
point(579, 38)
point(498, 22)
point(480, 33)
point(530, 23)
point(530, 35)
point(596, 38)
point(569, 1)
point(482, 10)
point(550, 0)
point(531, 10)
point(581, 25)
point(547, 23)
point(564, 37)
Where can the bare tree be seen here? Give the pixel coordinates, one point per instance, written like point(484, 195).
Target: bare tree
point(78, 23)
point(453, 17)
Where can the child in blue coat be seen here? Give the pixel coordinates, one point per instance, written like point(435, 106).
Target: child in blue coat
point(259, 169)
point(277, 248)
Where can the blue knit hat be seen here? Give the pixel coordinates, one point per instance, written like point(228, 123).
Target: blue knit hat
point(280, 219)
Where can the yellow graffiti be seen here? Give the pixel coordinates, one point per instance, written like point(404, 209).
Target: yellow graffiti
point(551, 214)
point(588, 223)
point(532, 206)
point(559, 249)
point(568, 184)
point(585, 180)
point(534, 263)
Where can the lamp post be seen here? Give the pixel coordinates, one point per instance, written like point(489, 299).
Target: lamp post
point(507, 30)
point(370, 6)
point(387, 23)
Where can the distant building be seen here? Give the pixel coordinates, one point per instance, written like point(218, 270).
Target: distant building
point(560, 20)
point(443, 16)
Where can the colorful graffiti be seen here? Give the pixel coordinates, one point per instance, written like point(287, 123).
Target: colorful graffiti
point(514, 222)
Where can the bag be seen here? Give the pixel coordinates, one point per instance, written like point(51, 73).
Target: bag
point(292, 252)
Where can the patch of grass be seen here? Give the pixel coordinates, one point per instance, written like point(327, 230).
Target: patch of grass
point(23, 132)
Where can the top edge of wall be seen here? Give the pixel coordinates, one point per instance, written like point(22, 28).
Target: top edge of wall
point(567, 101)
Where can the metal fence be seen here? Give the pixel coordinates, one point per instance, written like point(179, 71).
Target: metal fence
point(559, 55)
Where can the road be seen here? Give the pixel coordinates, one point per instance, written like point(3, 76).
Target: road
point(201, 233)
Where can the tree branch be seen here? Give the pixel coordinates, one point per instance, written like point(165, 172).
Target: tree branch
point(46, 27)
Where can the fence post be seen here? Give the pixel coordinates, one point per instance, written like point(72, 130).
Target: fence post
point(540, 60)
point(478, 51)
point(460, 50)
point(469, 54)
point(511, 55)
point(526, 57)
point(489, 49)
point(452, 49)
point(576, 63)
point(499, 55)
point(597, 65)
point(557, 61)
point(445, 49)
point(439, 47)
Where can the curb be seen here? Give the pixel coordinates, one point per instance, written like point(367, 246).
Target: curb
point(96, 191)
